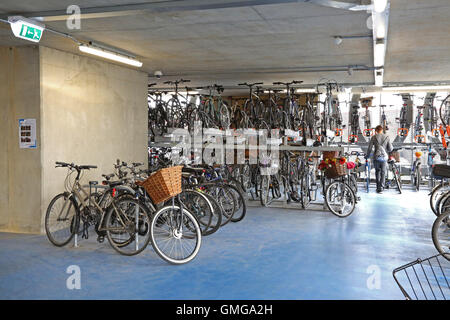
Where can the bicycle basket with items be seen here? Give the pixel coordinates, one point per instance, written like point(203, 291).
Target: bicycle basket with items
point(334, 167)
point(163, 184)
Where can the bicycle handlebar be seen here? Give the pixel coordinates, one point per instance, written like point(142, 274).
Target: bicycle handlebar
point(72, 165)
point(250, 84)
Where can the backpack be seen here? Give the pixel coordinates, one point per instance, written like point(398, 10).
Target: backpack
point(380, 153)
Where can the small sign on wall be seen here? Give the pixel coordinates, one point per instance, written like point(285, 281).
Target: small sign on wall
point(27, 133)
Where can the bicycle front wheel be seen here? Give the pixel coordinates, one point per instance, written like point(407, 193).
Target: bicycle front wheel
point(265, 190)
point(175, 234)
point(340, 199)
point(61, 220)
point(398, 181)
point(418, 179)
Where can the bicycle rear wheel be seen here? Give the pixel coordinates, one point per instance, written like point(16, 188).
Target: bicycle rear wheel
point(436, 194)
point(175, 234)
point(398, 181)
point(127, 225)
point(240, 205)
point(216, 220)
point(200, 206)
point(62, 220)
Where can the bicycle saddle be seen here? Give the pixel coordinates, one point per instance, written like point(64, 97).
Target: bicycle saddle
point(113, 184)
point(108, 176)
point(192, 169)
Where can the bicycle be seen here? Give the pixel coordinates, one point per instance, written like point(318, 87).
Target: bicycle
point(404, 122)
point(339, 197)
point(253, 106)
point(383, 117)
point(354, 125)
point(395, 170)
point(416, 175)
point(367, 168)
point(124, 222)
point(366, 103)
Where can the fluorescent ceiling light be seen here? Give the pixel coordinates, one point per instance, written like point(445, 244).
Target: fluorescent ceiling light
point(306, 90)
point(183, 92)
point(380, 29)
point(417, 88)
point(25, 28)
point(379, 5)
point(281, 91)
point(378, 81)
point(109, 55)
point(379, 77)
point(378, 59)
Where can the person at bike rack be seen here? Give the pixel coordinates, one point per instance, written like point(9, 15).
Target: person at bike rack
point(382, 147)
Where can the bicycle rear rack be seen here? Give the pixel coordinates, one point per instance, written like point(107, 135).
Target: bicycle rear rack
point(425, 279)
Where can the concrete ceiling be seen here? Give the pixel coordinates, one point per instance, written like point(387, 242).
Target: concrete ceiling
point(233, 43)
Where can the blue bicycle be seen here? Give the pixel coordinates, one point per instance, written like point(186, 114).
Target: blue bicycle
point(367, 173)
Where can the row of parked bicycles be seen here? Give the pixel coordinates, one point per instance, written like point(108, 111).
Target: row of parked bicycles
point(264, 108)
point(171, 208)
point(440, 205)
point(281, 107)
point(291, 177)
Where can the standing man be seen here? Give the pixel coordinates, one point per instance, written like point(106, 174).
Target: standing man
point(382, 145)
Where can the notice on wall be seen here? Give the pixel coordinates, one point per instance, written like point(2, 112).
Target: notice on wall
point(27, 133)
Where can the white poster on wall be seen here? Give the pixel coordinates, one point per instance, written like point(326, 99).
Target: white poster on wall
point(27, 133)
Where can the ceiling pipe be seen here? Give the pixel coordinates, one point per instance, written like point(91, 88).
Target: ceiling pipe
point(345, 68)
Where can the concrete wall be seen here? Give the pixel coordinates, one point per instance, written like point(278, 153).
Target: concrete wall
point(20, 169)
point(88, 112)
point(92, 112)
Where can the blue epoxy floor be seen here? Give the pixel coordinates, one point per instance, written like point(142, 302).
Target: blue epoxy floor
point(271, 254)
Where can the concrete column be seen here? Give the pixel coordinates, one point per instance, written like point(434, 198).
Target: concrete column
point(20, 169)
point(88, 111)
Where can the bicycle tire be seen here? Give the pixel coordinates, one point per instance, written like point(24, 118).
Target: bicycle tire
point(443, 218)
point(188, 200)
point(397, 181)
point(217, 214)
point(241, 204)
point(348, 192)
point(264, 190)
point(441, 115)
point(418, 179)
point(74, 224)
point(192, 224)
point(435, 195)
point(144, 222)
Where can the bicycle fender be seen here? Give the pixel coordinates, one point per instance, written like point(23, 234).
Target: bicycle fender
point(127, 188)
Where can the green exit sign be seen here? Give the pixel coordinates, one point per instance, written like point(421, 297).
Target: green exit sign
point(25, 28)
point(30, 33)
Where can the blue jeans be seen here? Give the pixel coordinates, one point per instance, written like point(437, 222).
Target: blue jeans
point(380, 173)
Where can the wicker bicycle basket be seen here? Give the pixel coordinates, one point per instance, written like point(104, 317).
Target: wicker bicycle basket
point(164, 184)
point(335, 171)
